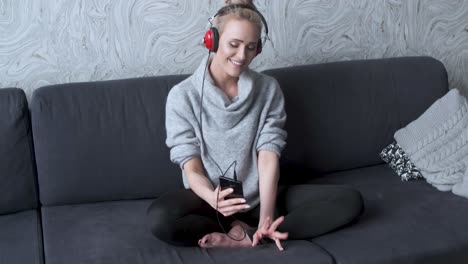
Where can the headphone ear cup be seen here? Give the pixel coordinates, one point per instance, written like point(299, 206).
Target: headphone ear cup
point(215, 39)
point(259, 46)
point(211, 39)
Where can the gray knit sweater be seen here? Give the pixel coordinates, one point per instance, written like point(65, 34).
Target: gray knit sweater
point(233, 130)
point(437, 143)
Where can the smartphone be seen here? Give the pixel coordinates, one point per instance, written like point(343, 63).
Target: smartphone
point(226, 183)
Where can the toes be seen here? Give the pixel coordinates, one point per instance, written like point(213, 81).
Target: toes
point(205, 241)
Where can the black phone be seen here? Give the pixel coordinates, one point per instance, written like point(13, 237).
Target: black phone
point(226, 183)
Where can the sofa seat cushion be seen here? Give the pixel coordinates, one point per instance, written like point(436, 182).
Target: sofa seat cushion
point(404, 222)
point(20, 238)
point(116, 232)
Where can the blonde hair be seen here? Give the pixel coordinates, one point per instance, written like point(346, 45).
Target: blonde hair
point(237, 13)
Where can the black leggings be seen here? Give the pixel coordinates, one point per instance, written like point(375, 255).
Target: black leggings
point(181, 218)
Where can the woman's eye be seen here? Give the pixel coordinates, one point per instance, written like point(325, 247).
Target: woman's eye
point(236, 45)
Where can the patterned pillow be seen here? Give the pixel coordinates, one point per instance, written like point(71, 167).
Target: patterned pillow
point(396, 158)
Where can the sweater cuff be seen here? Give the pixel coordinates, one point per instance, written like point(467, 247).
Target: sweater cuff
point(183, 161)
point(271, 147)
point(183, 153)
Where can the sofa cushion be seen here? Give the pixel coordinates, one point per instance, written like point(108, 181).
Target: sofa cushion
point(342, 114)
point(116, 232)
point(103, 141)
point(17, 179)
point(403, 222)
point(397, 159)
point(21, 238)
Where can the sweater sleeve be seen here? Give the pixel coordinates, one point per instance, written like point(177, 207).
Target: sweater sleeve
point(272, 134)
point(181, 137)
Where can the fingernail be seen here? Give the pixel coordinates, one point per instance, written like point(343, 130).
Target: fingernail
point(243, 200)
point(247, 206)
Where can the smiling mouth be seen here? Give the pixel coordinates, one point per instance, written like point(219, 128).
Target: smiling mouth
point(237, 63)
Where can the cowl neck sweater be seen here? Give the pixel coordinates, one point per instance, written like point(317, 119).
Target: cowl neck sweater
point(228, 112)
point(230, 130)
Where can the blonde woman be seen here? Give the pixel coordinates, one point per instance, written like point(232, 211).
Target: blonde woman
point(225, 114)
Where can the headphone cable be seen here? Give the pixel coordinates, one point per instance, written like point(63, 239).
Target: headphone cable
point(219, 168)
point(200, 114)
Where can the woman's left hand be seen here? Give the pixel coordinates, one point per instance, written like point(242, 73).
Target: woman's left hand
point(268, 229)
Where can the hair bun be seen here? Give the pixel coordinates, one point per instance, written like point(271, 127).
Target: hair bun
point(246, 2)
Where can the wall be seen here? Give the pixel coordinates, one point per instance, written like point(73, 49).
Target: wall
point(55, 41)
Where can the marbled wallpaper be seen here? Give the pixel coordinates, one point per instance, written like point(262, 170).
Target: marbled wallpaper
point(46, 42)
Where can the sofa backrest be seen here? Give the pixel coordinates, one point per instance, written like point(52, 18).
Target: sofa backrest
point(101, 141)
point(342, 114)
point(17, 171)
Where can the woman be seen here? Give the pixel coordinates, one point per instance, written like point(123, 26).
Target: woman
point(228, 120)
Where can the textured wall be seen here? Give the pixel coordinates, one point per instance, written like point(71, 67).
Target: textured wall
point(55, 41)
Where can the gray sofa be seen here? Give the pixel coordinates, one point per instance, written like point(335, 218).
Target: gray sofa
point(80, 166)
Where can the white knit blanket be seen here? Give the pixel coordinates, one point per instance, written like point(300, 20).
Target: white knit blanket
point(437, 143)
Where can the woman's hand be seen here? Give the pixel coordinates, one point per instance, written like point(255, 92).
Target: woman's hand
point(268, 229)
point(227, 207)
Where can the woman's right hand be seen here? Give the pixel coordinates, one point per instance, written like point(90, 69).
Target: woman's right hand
point(227, 207)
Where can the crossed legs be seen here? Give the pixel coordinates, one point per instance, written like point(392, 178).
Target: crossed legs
point(181, 218)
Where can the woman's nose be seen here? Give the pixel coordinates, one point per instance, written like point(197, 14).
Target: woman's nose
point(241, 53)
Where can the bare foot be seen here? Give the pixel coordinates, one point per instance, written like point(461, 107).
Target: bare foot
point(222, 240)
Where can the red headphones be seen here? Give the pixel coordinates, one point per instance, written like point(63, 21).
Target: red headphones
point(211, 38)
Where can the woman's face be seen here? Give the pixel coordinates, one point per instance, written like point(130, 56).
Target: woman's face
point(237, 47)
